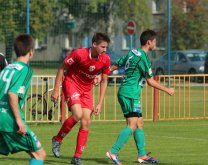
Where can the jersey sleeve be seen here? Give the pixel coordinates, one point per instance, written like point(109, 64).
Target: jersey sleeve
point(122, 61)
point(145, 68)
point(106, 68)
point(72, 58)
point(20, 82)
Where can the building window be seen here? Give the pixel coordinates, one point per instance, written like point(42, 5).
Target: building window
point(128, 42)
point(156, 6)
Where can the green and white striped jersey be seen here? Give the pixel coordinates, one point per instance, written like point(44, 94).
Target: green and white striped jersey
point(137, 68)
point(15, 78)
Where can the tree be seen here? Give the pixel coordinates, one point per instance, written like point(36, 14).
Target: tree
point(188, 25)
point(101, 15)
point(135, 10)
point(13, 20)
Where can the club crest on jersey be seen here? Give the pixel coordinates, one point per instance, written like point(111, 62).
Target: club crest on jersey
point(21, 90)
point(70, 61)
point(91, 68)
point(136, 52)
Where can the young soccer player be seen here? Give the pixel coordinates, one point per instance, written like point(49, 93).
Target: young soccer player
point(82, 66)
point(15, 79)
point(137, 70)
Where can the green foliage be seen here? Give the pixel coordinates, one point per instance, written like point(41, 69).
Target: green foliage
point(101, 14)
point(135, 10)
point(13, 20)
point(188, 28)
point(13, 17)
point(41, 17)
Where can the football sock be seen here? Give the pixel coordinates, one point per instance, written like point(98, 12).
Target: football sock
point(81, 142)
point(66, 128)
point(121, 140)
point(35, 162)
point(140, 142)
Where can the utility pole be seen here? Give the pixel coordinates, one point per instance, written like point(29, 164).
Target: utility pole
point(169, 32)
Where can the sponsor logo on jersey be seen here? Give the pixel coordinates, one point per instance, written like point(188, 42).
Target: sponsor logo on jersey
point(3, 110)
point(21, 90)
point(136, 52)
point(87, 75)
point(70, 61)
point(91, 68)
point(15, 66)
point(75, 96)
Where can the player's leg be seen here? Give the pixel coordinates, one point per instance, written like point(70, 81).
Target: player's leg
point(72, 96)
point(36, 150)
point(68, 124)
point(37, 157)
point(139, 138)
point(87, 109)
point(131, 120)
point(82, 136)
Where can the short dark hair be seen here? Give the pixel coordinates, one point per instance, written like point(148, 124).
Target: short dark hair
point(99, 37)
point(147, 35)
point(23, 44)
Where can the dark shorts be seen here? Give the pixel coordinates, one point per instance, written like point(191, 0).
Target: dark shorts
point(130, 107)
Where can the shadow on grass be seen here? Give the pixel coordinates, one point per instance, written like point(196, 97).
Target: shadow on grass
point(51, 158)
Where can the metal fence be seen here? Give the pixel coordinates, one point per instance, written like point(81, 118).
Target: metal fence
point(189, 101)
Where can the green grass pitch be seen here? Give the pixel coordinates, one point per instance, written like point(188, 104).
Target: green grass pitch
point(172, 142)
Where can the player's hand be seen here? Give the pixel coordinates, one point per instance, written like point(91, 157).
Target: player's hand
point(171, 91)
point(97, 79)
point(22, 128)
point(97, 110)
point(54, 96)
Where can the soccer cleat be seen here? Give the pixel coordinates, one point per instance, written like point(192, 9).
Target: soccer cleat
point(147, 159)
point(76, 161)
point(56, 147)
point(113, 157)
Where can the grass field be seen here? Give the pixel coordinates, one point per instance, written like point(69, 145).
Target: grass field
point(172, 142)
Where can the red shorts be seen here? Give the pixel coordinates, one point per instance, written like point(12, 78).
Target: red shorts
point(75, 96)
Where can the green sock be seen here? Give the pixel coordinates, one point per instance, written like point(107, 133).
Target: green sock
point(121, 140)
point(140, 142)
point(35, 162)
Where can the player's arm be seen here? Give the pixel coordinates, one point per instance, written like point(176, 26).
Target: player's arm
point(58, 81)
point(13, 101)
point(103, 86)
point(113, 67)
point(97, 79)
point(119, 62)
point(151, 82)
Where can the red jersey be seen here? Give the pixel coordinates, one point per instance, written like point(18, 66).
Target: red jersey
point(82, 69)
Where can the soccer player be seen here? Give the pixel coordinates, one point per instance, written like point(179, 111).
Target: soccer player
point(137, 70)
point(15, 80)
point(82, 66)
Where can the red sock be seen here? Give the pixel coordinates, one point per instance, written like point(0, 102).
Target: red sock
point(66, 128)
point(81, 142)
